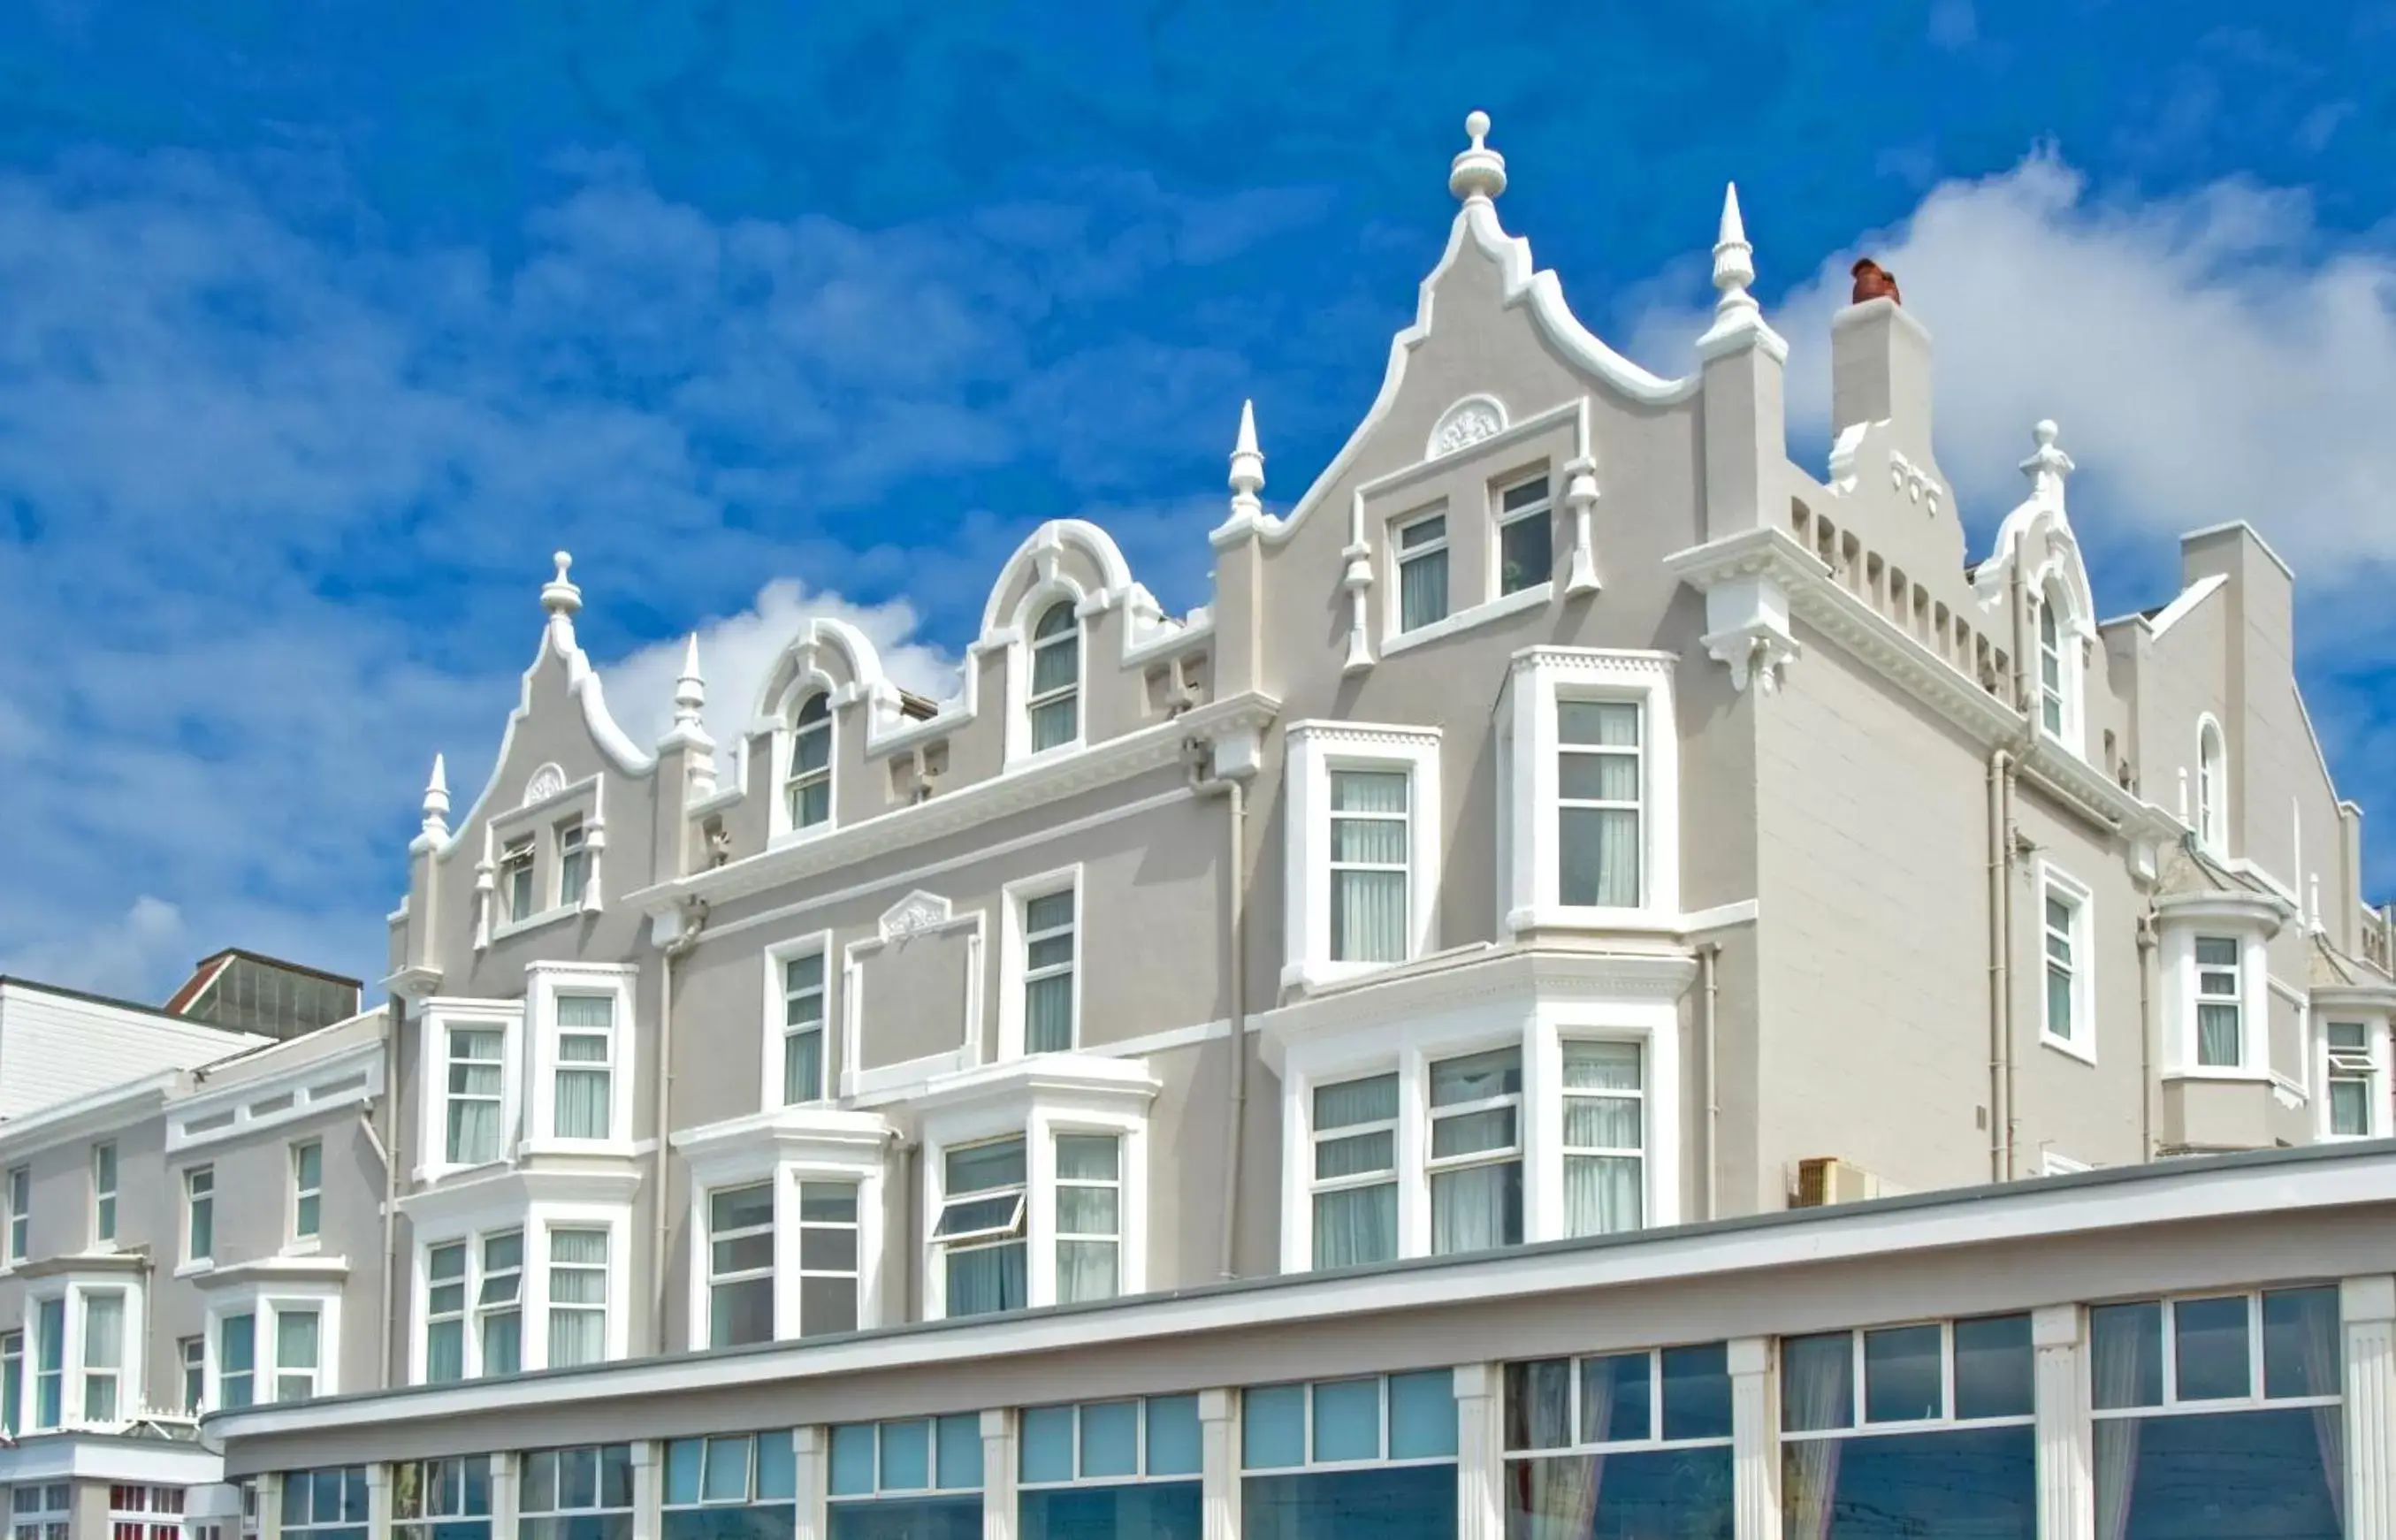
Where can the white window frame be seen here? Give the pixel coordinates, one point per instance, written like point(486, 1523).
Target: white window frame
point(1500, 521)
point(1566, 1094)
point(2212, 785)
point(1112, 1185)
point(1516, 1154)
point(103, 1191)
point(611, 1306)
point(706, 1237)
point(194, 1259)
point(1027, 617)
point(1858, 1425)
point(793, 782)
point(1014, 977)
point(541, 823)
point(2059, 886)
point(544, 983)
point(2251, 920)
point(1539, 1018)
point(436, 1019)
point(264, 1302)
point(302, 1194)
point(519, 877)
point(1312, 749)
point(1393, 1174)
point(2368, 1065)
point(776, 1030)
point(2066, 655)
point(780, 727)
point(1529, 880)
point(1040, 1098)
point(571, 840)
point(1400, 553)
point(191, 1364)
point(20, 1212)
point(73, 1293)
point(788, 1146)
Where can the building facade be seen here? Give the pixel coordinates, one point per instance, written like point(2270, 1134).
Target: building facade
point(1417, 985)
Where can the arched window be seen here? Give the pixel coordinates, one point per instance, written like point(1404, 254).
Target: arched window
point(807, 791)
point(1055, 698)
point(2058, 670)
point(2212, 820)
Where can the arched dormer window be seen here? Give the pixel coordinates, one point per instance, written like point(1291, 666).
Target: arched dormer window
point(2058, 676)
point(1054, 700)
point(806, 791)
point(2212, 789)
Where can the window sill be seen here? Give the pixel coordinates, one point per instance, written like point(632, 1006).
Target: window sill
point(197, 1266)
point(621, 1149)
point(1322, 976)
point(532, 922)
point(1516, 602)
point(2069, 1047)
point(1566, 917)
point(432, 1175)
point(782, 839)
point(313, 1245)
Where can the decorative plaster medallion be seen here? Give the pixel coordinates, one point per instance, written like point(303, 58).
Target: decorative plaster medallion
point(915, 914)
point(1466, 424)
point(546, 782)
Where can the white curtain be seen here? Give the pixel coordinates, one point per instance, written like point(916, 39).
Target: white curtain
point(1368, 905)
point(1357, 1226)
point(2218, 1040)
point(1603, 1110)
point(986, 1278)
point(2113, 1374)
point(1088, 1169)
point(1085, 1269)
point(1598, 847)
point(1422, 589)
point(445, 1352)
point(1474, 1209)
point(475, 1079)
point(1817, 1392)
point(1048, 1015)
point(801, 1067)
point(503, 1343)
point(2323, 1360)
point(577, 1296)
point(582, 1095)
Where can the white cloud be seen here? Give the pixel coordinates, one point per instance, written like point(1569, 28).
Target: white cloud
point(133, 955)
point(737, 651)
point(2210, 357)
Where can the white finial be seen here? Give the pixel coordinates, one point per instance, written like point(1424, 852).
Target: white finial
point(2047, 465)
point(1247, 461)
point(436, 798)
point(690, 690)
point(559, 596)
point(1734, 258)
point(1477, 171)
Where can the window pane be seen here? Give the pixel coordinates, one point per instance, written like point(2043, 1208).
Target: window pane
point(778, 1466)
point(1978, 1483)
point(1371, 1100)
point(828, 1202)
point(1272, 1427)
point(1368, 916)
point(852, 1459)
point(1422, 1414)
point(1696, 1391)
point(727, 1471)
point(1525, 552)
point(1471, 1132)
point(2212, 953)
point(1476, 1209)
point(1347, 1420)
point(1614, 1399)
point(1422, 589)
point(827, 1304)
point(1356, 1226)
point(826, 1250)
point(1357, 1155)
point(1994, 1367)
point(981, 1167)
point(1539, 1404)
point(1667, 1494)
point(1111, 1438)
point(1173, 1441)
point(2210, 1349)
point(1902, 1374)
point(2300, 1343)
point(959, 1437)
point(1598, 856)
point(741, 1208)
point(906, 1455)
point(1817, 1388)
point(2125, 1355)
point(1047, 1444)
point(2273, 1475)
point(1086, 1157)
point(1476, 1077)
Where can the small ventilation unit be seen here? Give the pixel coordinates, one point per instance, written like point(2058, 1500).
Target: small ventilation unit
point(1827, 1179)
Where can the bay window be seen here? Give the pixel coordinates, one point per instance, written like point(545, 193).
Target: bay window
point(1368, 866)
point(476, 1076)
point(980, 1231)
point(577, 1296)
point(1476, 1151)
point(1355, 1171)
point(1598, 837)
point(2220, 996)
point(1361, 875)
point(586, 1053)
point(1089, 1216)
point(741, 1265)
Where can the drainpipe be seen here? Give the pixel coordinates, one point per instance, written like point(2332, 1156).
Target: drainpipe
point(694, 917)
point(2150, 1030)
point(1235, 1103)
point(395, 1017)
point(2000, 986)
point(1708, 956)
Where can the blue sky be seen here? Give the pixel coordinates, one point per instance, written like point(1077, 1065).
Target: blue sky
point(320, 326)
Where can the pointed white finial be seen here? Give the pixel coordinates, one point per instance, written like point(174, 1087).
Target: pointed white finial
point(559, 596)
point(1734, 258)
point(1248, 462)
point(436, 800)
point(1477, 171)
point(2047, 465)
point(690, 690)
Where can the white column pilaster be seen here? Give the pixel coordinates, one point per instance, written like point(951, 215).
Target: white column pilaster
point(2367, 1309)
point(1218, 1463)
point(649, 1489)
point(809, 1446)
point(503, 1494)
point(1754, 1438)
point(378, 1501)
point(1480, 1451)
point(2066, 1494)
point(270, 1508)
point(998, 1470)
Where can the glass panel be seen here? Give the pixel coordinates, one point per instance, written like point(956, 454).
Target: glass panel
point(1154, 1510)
point(1356, 1226)
point(960, 1450)
point(1400, 1503)
point(1047, 1444)
point(1994, 1367)
point(1272, 1427)
point(684, 1459)
point(1696, 1391)
point(1476, 1077)
point(1173, 1441)
point(1660, 1494)
point(1374, 1099)
point(778, 1466)
point(1598, 859)
point(2300, 1343)
point(2277, 1475)
point(1473, 1133)
point(949, 1517)
point(1817, 1388)
point(1476, 1209)
point(827, 1304)
point(852, 1459)
point(1969, 1484)
point(2210, 1349)
point(1111, 1438)
point(1525, 552)
point(1422, 1414)
point(1539, 1404)
point(726, 1479)
point(1614, 1399)
point(906, 1456)
point(1347, 1420)
point(2125, 1354)
point(1356, 1155)
point(1902, 1370)
point(978, 1168)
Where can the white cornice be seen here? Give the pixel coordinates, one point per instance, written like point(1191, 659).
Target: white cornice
point(2248, 911)
point(1469, 974)
point(267, 1273)
point(311, 1087)
point(114, 1108)
point(1028, 784)
point(1085, 1077)
point(601, 1180)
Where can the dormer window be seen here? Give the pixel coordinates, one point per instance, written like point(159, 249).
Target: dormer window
point(2050, 672)
point(515, 878)
point(2211, 818)
point(1054, 701)
point(1422, 572)
point(807, 795)
point(1527, 553)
